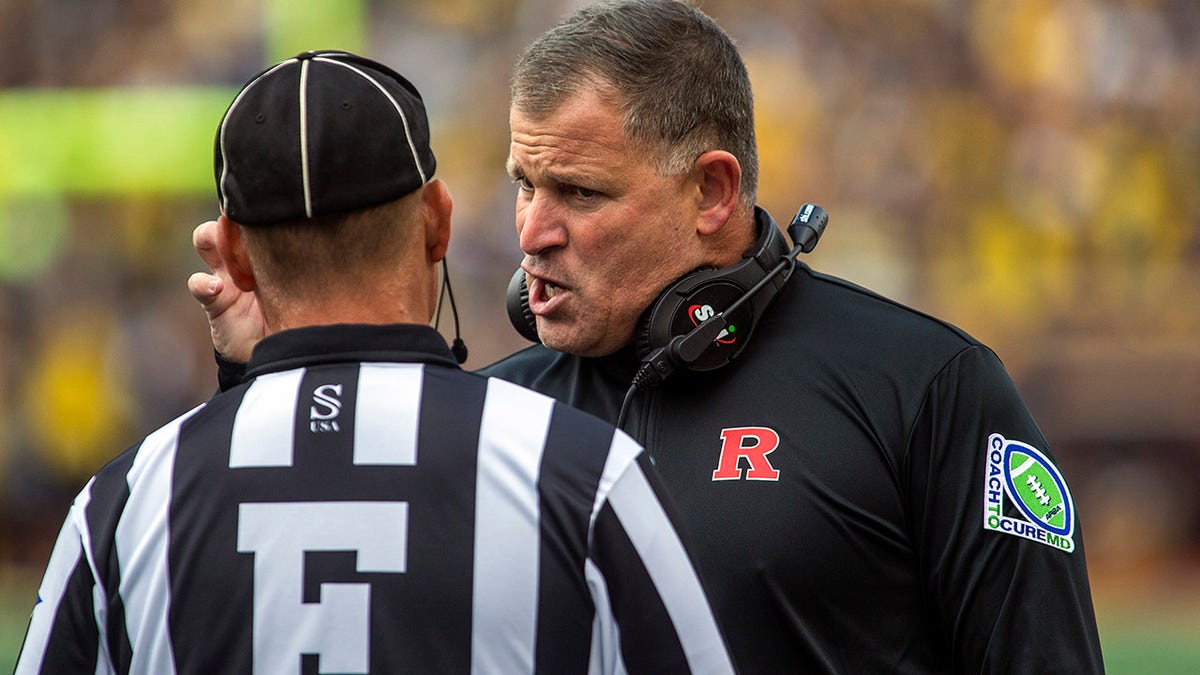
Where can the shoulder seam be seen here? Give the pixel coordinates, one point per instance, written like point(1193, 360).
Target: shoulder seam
point(865, 292)
point(912, 423)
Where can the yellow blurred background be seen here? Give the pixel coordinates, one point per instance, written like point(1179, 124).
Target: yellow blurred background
point(1026, 169)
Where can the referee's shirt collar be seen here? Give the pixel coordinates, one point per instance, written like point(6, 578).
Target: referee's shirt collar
point(342, 343)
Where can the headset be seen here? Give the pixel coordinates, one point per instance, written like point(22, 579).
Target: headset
point(703, 320)
point(458, 348)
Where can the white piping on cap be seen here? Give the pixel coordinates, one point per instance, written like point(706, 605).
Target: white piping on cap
point(304, 138)
point(407, 134)
point(221, 197)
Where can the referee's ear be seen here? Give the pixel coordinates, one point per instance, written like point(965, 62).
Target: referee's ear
point(436, 207)
point(231, 246)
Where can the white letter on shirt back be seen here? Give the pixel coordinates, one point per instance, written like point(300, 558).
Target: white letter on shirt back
point(338, 627)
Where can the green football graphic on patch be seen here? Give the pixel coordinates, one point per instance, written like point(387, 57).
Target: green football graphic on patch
point(1037, 488)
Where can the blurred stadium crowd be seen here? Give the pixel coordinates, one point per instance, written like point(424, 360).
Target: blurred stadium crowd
point(1026, 169)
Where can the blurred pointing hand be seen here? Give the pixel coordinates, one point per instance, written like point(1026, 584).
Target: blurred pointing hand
point(234, 319)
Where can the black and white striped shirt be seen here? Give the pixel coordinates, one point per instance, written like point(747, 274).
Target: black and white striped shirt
point(361, 505)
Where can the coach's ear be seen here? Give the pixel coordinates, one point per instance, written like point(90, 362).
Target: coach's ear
point(718, 178)
point(231, 247)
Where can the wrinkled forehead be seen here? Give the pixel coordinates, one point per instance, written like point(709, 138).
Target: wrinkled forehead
point(538, 101)
point(584, 135)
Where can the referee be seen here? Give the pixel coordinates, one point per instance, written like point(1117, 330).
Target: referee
point(359, 504)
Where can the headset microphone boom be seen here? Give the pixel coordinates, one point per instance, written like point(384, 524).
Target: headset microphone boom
point(683, 350)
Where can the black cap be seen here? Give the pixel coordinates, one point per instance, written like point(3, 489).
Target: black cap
point(324, 132)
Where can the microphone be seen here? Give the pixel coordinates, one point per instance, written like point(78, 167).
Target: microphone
point(807, 227)
point(458, 348)
point(683, 350)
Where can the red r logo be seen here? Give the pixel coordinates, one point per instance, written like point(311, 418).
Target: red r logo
point(753, 443)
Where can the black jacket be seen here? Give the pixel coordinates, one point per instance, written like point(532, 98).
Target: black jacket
point(865, 488)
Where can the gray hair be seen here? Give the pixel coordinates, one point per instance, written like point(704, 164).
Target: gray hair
point(677, 77)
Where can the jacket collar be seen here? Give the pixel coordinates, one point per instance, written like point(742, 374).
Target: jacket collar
point(340, 343)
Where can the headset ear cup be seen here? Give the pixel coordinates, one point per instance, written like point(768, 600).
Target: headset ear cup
point(516, 300)
point(670, 327)
point(654, 328)
point(641, 333)
point(687, 303)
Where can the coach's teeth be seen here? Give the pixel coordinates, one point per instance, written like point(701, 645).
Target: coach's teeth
point(551, 290)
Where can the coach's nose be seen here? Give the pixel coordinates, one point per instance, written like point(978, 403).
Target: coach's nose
point(540, 224)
